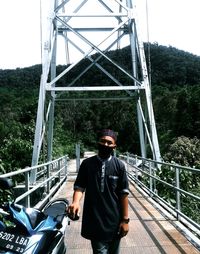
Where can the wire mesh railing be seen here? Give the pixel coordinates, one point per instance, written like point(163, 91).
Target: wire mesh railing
point(176, 188)
point(49, 177)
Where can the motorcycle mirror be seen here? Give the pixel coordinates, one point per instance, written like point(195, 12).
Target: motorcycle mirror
point(6, 183)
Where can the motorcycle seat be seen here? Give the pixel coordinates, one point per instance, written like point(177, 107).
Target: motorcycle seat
point(56, 209)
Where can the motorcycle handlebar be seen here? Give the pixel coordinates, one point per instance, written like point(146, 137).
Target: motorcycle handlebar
point(4, 213)
point(73, 216)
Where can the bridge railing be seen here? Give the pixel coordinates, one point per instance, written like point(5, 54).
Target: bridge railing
point(166, 183)
point(50, 176)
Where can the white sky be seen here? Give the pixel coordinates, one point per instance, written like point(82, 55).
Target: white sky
point(171, 22)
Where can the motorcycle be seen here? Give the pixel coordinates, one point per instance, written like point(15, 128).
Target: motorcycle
point(32, 231)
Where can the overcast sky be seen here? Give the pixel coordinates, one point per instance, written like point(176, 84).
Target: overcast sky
point(171, 22)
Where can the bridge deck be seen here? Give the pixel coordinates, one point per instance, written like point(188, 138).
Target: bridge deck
point(150, 231)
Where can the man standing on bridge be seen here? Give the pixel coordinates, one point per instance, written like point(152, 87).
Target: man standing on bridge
point(105, 213)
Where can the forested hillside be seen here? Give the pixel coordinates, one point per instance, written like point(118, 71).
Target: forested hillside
point(175, 82)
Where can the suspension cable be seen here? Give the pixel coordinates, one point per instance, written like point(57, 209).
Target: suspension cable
point(41, 29)
point(148, 43)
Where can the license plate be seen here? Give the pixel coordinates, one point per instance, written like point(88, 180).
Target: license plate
point(13, 242)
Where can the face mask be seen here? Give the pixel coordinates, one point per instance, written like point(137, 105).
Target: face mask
point(104, 151)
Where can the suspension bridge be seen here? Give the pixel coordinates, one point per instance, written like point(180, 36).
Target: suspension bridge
point(92, 28)
point(156, 226)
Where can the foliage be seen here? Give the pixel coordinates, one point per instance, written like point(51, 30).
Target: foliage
point(16, 149)
point(16, 128)
point(191, 206)
point(172, 67)
point(175, 82)
point(184, 151)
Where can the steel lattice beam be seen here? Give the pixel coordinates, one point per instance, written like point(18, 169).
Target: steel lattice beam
point(74, 21)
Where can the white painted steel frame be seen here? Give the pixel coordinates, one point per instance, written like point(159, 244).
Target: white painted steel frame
point(56, 22)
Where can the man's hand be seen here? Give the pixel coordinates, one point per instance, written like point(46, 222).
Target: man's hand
point(74, 211)
point(123, 229)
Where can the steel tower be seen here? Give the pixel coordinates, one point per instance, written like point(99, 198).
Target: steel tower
point(81, 29)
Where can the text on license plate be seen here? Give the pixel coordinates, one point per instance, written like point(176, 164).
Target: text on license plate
point(13, 242)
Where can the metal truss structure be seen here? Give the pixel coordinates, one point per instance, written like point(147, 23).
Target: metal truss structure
point(89, 29)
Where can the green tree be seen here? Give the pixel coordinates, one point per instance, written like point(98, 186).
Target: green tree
point(184, 151)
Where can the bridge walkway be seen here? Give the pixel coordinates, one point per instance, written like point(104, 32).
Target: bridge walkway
point(151, 232)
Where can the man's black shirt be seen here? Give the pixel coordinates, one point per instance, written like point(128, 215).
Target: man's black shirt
point(103, 182)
